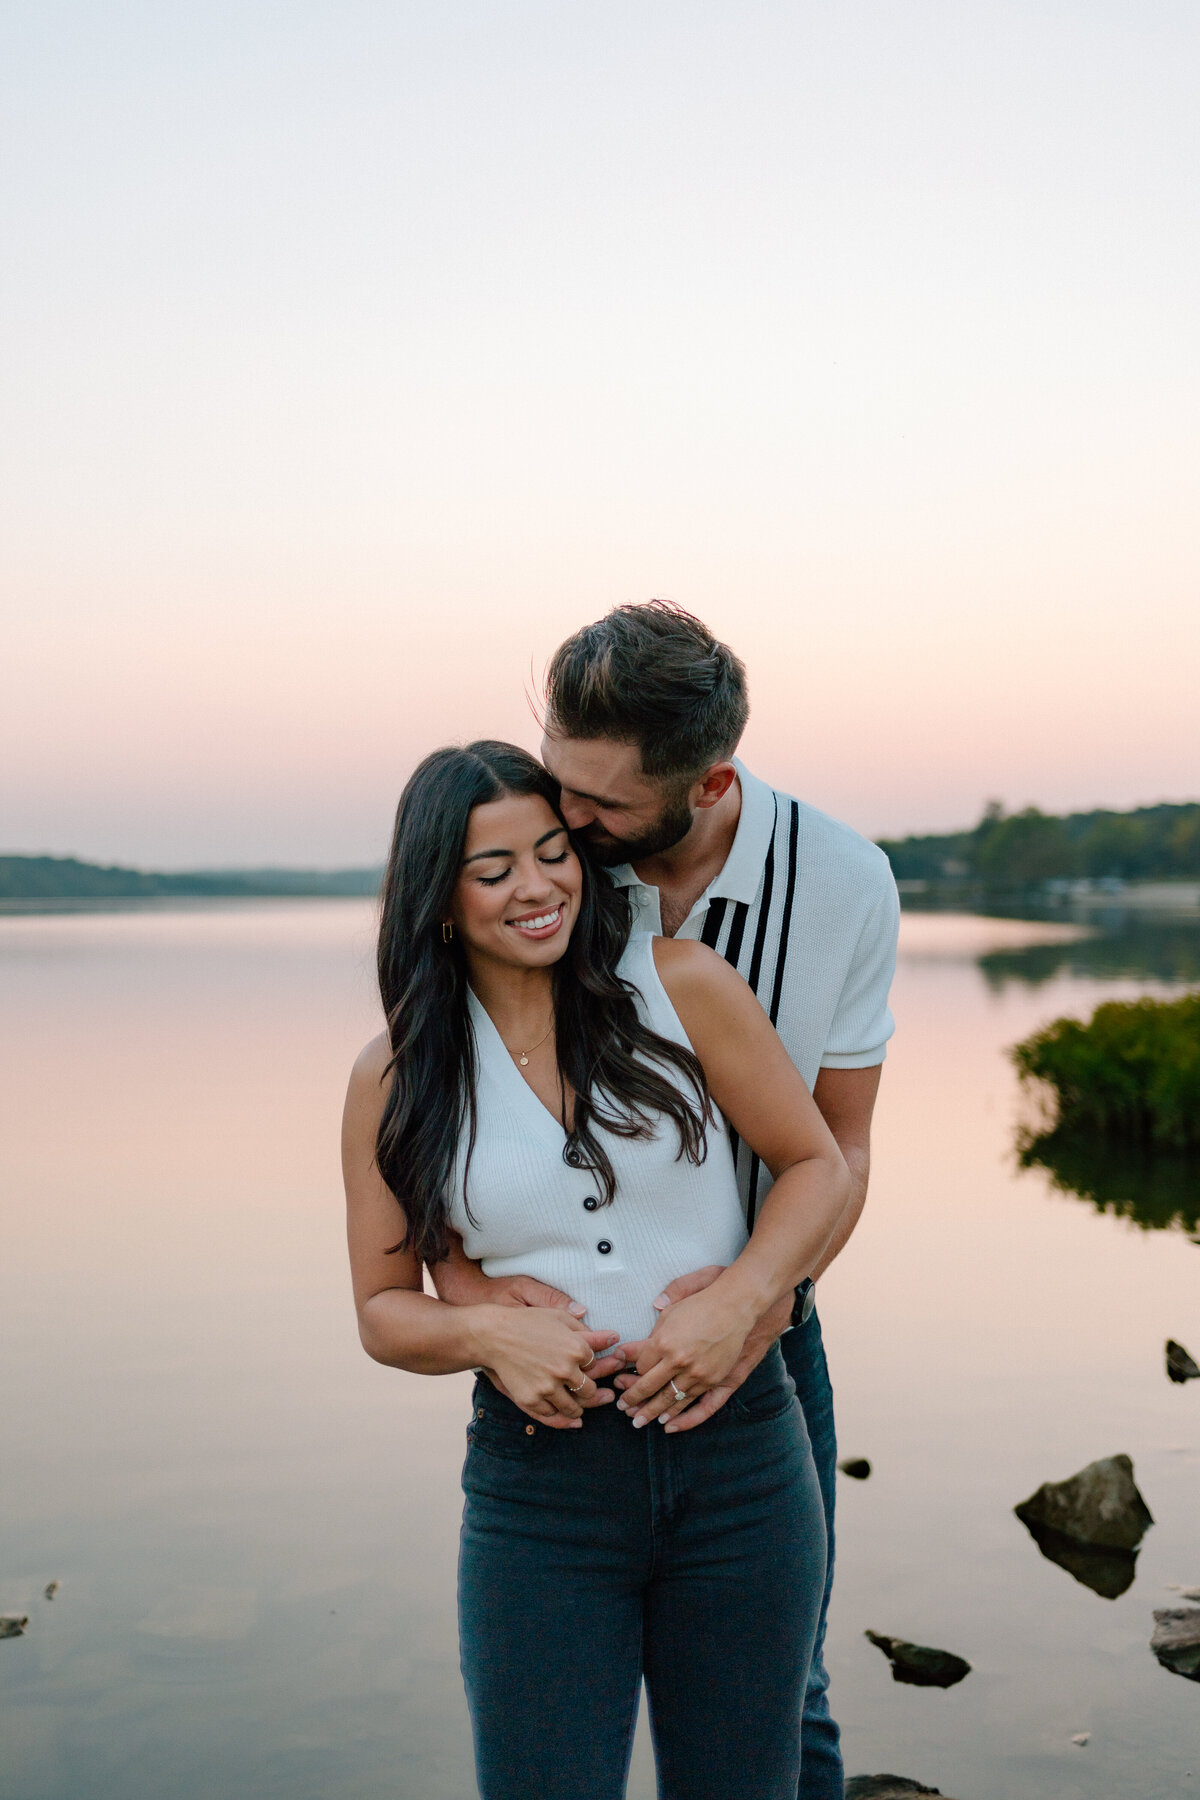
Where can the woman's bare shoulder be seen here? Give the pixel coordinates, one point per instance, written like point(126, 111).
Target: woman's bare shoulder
point(369, 1074)
point(687, 959)
point(691, 972)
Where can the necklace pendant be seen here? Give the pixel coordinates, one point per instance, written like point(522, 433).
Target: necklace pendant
point(524, 1062)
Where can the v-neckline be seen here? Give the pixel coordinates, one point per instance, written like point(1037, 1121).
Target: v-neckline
point(486, 1031)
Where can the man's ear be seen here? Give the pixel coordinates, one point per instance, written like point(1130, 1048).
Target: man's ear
point(713, 785)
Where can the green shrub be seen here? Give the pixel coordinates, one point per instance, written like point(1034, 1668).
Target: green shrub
point(1132, 1073)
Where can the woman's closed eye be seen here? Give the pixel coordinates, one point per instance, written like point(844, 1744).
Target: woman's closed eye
point(495, 880)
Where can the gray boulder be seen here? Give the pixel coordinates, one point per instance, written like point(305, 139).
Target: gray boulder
point(13, 1624)
point(919, 1664)
point(1180, 1366)
point(1176, 1640)
point(857, 1467)
point(1101, 1505)
point(884, 1787)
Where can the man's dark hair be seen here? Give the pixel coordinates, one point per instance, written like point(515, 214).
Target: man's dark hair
point(654, 676)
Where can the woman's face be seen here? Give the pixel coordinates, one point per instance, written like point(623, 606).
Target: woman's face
point(518, 891)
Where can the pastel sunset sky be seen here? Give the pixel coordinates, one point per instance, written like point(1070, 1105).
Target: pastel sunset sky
point(355, 353)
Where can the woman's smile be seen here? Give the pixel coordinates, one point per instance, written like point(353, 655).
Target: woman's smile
point(538, 925)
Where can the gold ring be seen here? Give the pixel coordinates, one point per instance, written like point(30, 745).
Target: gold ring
point(591, 1359)
point(573, 1390)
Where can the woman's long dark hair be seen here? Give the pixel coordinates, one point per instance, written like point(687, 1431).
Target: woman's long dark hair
point(605, 1053)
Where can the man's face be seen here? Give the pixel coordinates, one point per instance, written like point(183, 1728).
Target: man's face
point(618, 814)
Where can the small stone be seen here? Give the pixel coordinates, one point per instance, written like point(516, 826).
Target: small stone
point(1176, 1640)
point(919, 1664)
point(857, 1467)
point(1081, 1738)
point(51, 1588)
point(884, 1787)
point(13, 1624)
point(1180, 1366)
point(1101, 1505)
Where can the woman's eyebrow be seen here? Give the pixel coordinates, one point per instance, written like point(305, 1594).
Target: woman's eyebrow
point(477, 855)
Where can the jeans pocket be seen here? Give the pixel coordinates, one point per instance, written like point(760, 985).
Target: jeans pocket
point(767, 1392)
point(758, 1409)
point(516, 1439)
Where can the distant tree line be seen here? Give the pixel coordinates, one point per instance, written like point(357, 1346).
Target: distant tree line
point(31, 878)
point(1024, 849)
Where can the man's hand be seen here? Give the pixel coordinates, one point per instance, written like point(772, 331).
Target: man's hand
point(763, 1335)
point(461, 1282)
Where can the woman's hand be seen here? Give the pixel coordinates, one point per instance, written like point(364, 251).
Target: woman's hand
point(539, 1355)
point(694, 1345)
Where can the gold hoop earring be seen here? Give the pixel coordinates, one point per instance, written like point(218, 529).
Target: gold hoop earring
point(447, 931)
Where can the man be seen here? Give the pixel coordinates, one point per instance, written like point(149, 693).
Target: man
point(644, 712)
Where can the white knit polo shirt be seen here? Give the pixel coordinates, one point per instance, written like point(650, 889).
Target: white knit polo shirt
point(807, 911)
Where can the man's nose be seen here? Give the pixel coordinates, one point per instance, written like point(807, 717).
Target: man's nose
point(575, 811)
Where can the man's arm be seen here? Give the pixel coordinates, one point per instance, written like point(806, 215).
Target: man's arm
point(846, 1100)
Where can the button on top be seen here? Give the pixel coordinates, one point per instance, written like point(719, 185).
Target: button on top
point(604, 1246)
point(529, 1430)
point(591, 1203)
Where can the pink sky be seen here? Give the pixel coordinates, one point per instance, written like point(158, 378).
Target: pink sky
point(359, 355)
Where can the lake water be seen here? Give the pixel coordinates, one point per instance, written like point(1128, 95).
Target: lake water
point(255, 1528)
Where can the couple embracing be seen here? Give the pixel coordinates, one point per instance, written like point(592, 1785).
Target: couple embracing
point(636, 1008)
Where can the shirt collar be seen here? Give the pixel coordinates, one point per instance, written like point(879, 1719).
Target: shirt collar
point(741, 876)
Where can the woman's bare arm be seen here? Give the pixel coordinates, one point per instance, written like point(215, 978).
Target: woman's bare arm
point(536, 1351)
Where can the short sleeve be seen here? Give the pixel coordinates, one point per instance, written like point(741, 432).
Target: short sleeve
point(862, 1022)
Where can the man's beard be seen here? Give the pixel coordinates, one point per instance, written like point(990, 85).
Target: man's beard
point(671, 826)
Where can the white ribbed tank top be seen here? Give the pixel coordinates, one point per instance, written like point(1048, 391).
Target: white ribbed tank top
point(532, 1214)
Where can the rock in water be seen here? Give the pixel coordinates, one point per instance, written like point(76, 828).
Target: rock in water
point(1176, 1640)
point(918, 1664)
point(1180, 1366)
point(1101, 1506)
point(857, 1467)
point(13, 1625)
point(51, 1588)
point(884, 1787)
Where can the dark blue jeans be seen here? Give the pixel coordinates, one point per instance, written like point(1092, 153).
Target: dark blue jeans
point(821, 1775)
point(591, 1558)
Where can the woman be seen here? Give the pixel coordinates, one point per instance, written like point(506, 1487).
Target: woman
point(549, 1088)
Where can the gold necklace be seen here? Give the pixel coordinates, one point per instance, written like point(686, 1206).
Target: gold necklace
point(523, 1056)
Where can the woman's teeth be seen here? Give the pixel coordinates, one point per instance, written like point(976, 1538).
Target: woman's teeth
point(538, 924)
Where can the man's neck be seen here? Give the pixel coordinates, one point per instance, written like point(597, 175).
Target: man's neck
point(682, 873)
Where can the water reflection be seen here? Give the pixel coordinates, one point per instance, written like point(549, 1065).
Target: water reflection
point(1108, 1573)
point(1115, 948)
point(1157, 1190)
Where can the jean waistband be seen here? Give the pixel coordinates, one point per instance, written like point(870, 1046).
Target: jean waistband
point(769, 1375)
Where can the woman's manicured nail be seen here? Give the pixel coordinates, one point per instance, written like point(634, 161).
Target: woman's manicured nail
point(621, 1407)
point(661, 1301)
point(577, 1309)
point(639, 1422)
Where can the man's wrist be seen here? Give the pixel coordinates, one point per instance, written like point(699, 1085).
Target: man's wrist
point(804, 1299)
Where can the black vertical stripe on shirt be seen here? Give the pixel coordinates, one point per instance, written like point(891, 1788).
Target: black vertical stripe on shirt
point(789, 895)
point(764, 909)
point(786, 923)
point(737, 931)
point(714, 918)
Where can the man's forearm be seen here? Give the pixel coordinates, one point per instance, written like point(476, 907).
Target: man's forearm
point(858, 1161)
